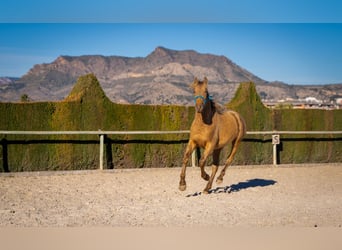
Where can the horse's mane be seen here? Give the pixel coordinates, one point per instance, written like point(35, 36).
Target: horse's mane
point(219, 108)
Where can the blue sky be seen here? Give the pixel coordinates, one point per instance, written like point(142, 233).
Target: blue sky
point(297, 42)
point(170, 11)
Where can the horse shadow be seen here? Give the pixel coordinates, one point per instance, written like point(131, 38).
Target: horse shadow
point(239, 186)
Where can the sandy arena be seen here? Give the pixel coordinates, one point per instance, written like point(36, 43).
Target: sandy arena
point(252, 196)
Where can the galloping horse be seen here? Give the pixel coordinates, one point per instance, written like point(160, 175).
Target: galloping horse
point(212, 128)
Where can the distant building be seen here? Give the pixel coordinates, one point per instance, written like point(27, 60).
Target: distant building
point(311, 99)
point(307, 103)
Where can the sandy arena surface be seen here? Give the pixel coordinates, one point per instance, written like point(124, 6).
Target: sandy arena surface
point(257, 196)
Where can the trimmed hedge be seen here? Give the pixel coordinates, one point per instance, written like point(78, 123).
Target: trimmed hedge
point(88, 108)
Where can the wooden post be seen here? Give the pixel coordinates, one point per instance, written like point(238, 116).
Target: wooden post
point(275, 154)
point(193, 158)
point(101, 151)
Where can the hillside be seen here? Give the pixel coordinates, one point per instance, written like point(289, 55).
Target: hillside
point(162, 77)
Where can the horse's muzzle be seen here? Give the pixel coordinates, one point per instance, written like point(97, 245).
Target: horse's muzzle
point(199, 108)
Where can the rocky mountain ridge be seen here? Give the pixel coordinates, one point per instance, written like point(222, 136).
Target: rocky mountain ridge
point(162, 77)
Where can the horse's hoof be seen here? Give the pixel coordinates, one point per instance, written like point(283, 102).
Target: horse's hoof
point(219, 181)
point(182, 187)
point(206, 177)
point(205, 192)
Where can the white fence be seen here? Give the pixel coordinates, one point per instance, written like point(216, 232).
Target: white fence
point(275, 137)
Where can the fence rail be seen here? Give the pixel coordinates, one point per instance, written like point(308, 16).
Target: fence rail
point(137, 132)
point(274, 133)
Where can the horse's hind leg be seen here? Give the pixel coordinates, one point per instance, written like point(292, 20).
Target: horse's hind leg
point(191, 147)
point(216, 162)
point(228, 161)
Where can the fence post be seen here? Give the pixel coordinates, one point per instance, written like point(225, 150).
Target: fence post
point(275, 154)
point(101, 151)
point(193, 158)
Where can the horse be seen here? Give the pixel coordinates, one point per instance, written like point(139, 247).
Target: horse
point(212, 129)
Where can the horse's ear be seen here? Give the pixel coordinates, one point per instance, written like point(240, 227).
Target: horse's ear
point(205, 80)
point(193, 85)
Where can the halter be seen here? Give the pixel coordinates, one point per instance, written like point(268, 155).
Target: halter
point(204, 99)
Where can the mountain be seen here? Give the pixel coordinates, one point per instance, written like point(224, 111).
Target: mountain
point(162, 77)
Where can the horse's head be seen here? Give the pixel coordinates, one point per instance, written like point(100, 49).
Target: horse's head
point(201, 95)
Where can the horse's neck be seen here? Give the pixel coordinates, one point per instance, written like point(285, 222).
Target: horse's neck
point(206, 116)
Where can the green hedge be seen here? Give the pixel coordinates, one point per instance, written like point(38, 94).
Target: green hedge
point(88, 108)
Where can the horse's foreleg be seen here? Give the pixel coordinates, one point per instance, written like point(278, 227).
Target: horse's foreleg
point(216, 162)
point(202, 162)
point(209, 148)
point(189, 149)
point(229, 160)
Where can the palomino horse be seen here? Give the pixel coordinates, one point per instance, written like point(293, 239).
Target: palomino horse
point(212, 128)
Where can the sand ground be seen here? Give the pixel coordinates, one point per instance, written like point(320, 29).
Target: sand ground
point(252, 196)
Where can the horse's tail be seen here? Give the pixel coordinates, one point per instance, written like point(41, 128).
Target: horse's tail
point(243, 128)
point(241, 124)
